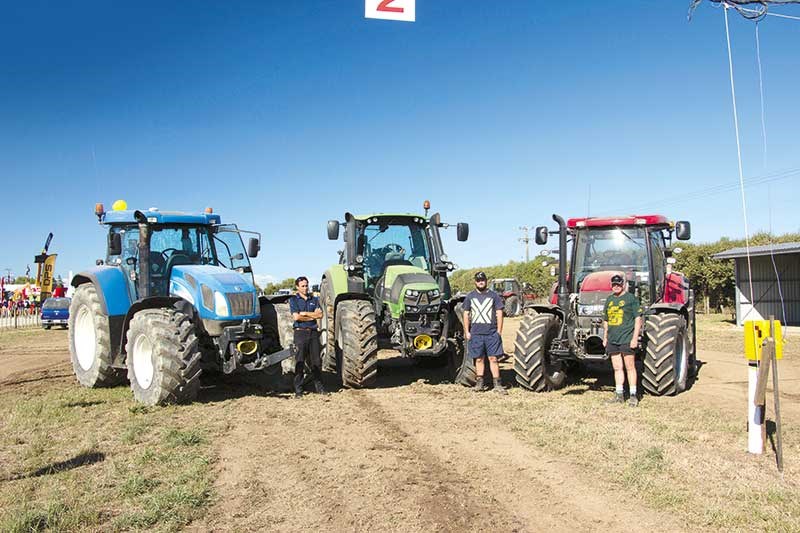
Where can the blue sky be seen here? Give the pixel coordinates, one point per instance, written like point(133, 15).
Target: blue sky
point(282, 115)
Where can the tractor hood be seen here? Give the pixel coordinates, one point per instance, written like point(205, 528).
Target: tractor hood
point(594, 290)
point(398, 280)
point(217, 293)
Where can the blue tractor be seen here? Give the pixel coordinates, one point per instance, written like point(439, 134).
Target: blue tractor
point(175, 296)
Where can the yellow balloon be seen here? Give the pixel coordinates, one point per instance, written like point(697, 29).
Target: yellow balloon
point(119, 205)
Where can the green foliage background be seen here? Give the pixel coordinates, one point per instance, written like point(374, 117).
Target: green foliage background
point(271, 288)
point(534, 272)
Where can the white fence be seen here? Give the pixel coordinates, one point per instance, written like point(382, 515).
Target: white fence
point(21, 320)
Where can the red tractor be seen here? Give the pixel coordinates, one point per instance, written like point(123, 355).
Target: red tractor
point(568, 332)
point(514, 294)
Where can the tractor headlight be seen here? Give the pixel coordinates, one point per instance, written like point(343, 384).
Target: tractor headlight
point(220, 304)
point(444, 257)
point(412, 293)
point(412, 309)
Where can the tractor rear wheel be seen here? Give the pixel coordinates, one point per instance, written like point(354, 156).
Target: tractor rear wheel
point(535, 369)
point(666, 360)
point(276, 320)
point(460, 365)
point(163, 357)
point(358, 362)
point(90, 340)
point(512, 306)
point(327, 338)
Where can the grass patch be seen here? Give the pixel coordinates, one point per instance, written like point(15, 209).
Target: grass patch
point(154, 474)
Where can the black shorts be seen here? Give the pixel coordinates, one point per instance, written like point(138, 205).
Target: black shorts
point(624, 349)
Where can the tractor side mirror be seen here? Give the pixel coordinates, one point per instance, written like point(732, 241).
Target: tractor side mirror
point(333, 229)
point(541, 235)
point(253, 247)
point(683, 230)
point(462, 231)
point(114, 244)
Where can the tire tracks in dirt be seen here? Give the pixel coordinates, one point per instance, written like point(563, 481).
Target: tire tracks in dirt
point(525, 485)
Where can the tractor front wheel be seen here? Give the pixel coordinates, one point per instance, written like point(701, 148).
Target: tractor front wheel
point(327, 338)
point(666, 360)
point(460, 364)
point(535, 369)
point(163, 357)
point(90, 340)
point(512, 307)
point(359, 343)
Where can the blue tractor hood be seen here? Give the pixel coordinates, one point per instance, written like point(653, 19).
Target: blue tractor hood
point(207, 286)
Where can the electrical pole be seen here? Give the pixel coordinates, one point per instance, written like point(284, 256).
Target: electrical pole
point(526, 240)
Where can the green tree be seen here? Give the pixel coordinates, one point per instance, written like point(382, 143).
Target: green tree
point(272, 288)
point(21, 280)
point(535, 272)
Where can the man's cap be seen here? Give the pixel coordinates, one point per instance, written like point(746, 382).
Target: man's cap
point(480, 276)
point(616, 279)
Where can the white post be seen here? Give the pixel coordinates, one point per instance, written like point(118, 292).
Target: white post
point(755, 416)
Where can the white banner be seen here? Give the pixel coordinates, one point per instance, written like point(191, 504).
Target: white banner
point(404, 10)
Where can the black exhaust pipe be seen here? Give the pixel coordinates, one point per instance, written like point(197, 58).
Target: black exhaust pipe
point(563, 291)
point(144, 255)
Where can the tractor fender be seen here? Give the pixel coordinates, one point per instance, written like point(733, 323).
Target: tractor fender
point(349, 296)
point(546, 308)
point(154, 302)
point(112, 288)
point(676, 308)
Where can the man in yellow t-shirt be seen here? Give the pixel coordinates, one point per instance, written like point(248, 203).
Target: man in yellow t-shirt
point(622, 322)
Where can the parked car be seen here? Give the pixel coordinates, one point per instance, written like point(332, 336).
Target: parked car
point(55, 312)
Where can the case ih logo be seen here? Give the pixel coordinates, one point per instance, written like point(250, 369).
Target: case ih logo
point(404, 10)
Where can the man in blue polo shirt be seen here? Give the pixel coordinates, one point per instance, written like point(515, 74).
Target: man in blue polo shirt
point(483, 324)
point(306, 311)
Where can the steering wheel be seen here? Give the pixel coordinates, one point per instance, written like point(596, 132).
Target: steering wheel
point(165, 250)
point(394, 248)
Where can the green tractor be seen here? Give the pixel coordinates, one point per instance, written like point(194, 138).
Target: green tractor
point(390, 291)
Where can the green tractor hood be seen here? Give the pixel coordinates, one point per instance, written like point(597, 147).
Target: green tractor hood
point(400, 280)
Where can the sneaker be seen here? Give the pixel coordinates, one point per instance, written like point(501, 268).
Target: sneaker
point(479, 386)
point(617, 398)
point(298, 394)
point(633, 401)
point(320, 389)
point(498, 387)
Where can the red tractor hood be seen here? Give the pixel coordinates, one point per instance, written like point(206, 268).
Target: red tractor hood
point(599, 281)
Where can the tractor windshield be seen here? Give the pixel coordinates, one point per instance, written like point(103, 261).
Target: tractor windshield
point(622, 249)
point(383, 244)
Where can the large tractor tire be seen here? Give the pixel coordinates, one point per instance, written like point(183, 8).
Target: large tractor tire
point(90, 341)
point(276, 320)
point(532, 364)
point(666, 360)
point(460, 364)
point(512, 306)
point(327, 337)
point(358, 356)
point(163, 357)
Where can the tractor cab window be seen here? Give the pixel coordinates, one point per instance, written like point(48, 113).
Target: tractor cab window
point(129, 236)
point(384, 245)
point(617, 249)
point(659, 262)
point(171, 246)
point(502, 286)
point(230, 249)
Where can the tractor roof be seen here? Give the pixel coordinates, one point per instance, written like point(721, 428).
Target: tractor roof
point(392, 215)
point(154, 216)
point(630, 220)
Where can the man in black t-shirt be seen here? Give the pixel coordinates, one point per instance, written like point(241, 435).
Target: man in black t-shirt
point(622, 321)
point(483, 324)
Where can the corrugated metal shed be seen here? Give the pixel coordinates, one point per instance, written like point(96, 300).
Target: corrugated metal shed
point(774, 275)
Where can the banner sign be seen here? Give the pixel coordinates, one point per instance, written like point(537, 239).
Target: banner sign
point(404, 10)
point(47, 275)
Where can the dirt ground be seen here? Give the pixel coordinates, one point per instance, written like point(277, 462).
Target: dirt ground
point(414, 453)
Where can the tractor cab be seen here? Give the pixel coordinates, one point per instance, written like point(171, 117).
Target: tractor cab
point(172, 240)
point(635, 247)
point(390, 241)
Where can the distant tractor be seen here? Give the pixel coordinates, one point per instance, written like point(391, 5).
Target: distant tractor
point(514, 294)
point(390, 290)
point(568, 331)
point(174, 296)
